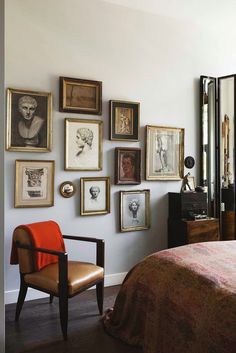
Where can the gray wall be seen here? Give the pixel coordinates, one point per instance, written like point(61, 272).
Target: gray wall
point(139, 57)
point(2, 311)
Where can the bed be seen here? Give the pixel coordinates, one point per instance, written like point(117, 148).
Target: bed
point(180, 300)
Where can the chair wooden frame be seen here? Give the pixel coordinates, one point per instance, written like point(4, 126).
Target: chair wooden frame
point(63, 294)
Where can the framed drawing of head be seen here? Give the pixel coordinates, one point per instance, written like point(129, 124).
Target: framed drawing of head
point(134, 210)
point(127, 166)
point(67, 189)
point(95, 196)
point(83, 144)
point(164, 153)
point(124, 120)
point(34, 183)
point(80, 96)
point(29, 121)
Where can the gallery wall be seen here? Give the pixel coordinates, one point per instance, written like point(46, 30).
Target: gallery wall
point(139, 57)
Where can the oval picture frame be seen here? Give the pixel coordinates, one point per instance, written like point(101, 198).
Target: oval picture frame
point(67, 189)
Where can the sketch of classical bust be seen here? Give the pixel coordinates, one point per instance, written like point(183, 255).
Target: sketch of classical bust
point(133, 207)
point(84, 141)
point(94, 191)
point(30, 124)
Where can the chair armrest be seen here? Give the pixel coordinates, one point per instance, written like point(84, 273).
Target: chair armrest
point(100, 247)
point(60, 254)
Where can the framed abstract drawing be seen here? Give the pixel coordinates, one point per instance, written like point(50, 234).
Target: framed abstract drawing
point(127, 166)
point(34, 183)
point(95, 196)
point(83, 144)
point(164, 153)
point(134, 210)
point(29, 121)
point(124, 121)
point(80, 96)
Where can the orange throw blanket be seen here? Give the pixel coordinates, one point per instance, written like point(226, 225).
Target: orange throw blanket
point(45, 235)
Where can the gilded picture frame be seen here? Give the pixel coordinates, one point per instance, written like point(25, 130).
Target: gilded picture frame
point(80, 96)
point(164, 153)
point(83, 144)
point(94, 196)
point(34, 183)
point(127, 166)
point(134, 210)
point(29, 121)
point(124, 120)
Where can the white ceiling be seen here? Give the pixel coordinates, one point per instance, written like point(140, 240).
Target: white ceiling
point(202, 12)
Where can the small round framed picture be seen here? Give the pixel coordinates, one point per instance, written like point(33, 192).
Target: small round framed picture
point(67, 189)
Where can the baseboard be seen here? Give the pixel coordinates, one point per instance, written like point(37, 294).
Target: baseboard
point(32, 294)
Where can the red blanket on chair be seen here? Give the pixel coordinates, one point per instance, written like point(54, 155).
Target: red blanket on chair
point(45, 235)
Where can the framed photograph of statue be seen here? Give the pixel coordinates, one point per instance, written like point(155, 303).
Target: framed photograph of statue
point(29, 121)
point(95, 196)
point(164, 153)
point(127, 166)
point(83, 144)
point(124, 121)
point(134, 210)
point(34, 183)
point(80, 96)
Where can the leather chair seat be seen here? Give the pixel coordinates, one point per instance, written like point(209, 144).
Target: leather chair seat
point(79, 275)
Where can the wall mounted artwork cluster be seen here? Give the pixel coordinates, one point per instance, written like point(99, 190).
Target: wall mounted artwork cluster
point(29, 129)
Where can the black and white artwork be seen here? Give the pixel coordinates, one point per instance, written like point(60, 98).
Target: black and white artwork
point(83, 145)
point(134, 210)
point(29, 121)
point(95, 195)
point(165, 149)
point(34, 185)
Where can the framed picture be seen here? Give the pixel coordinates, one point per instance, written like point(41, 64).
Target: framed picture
point(127, 166)
point(29, 121)
point(67, 189)
point(83, 144)
point(164, 153)
point(80, 96)
point(124, 121)
point(134, 210)
point(95, 196)
point(34, 183)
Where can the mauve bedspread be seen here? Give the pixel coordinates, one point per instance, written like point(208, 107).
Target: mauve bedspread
point(180, 300)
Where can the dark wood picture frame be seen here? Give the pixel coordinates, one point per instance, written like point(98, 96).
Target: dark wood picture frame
point(124, 120)
point(67, 189)
point(127, 166)
point(80, 96)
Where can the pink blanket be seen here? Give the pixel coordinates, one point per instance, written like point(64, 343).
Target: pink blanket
point(180, 300)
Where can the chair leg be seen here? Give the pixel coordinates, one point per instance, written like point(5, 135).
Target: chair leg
point(51, 298)
point(100, 294)
point(63, 307)
point(21, 298)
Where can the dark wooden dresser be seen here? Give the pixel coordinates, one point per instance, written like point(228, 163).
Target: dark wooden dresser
point(182, 228)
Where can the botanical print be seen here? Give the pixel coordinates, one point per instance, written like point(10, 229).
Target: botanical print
point(83, 144)
point(29, 119)
point(124, 121)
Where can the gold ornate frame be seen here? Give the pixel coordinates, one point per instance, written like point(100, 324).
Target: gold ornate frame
point(9, 142)
point(165, 175)
point(69, 121)
point(84, 212)
point(147, 210)
point(48, 201)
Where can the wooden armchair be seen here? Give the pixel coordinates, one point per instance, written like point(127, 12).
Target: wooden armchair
point(63, 279)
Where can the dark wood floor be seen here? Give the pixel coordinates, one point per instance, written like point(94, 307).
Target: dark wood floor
point(38, 330)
